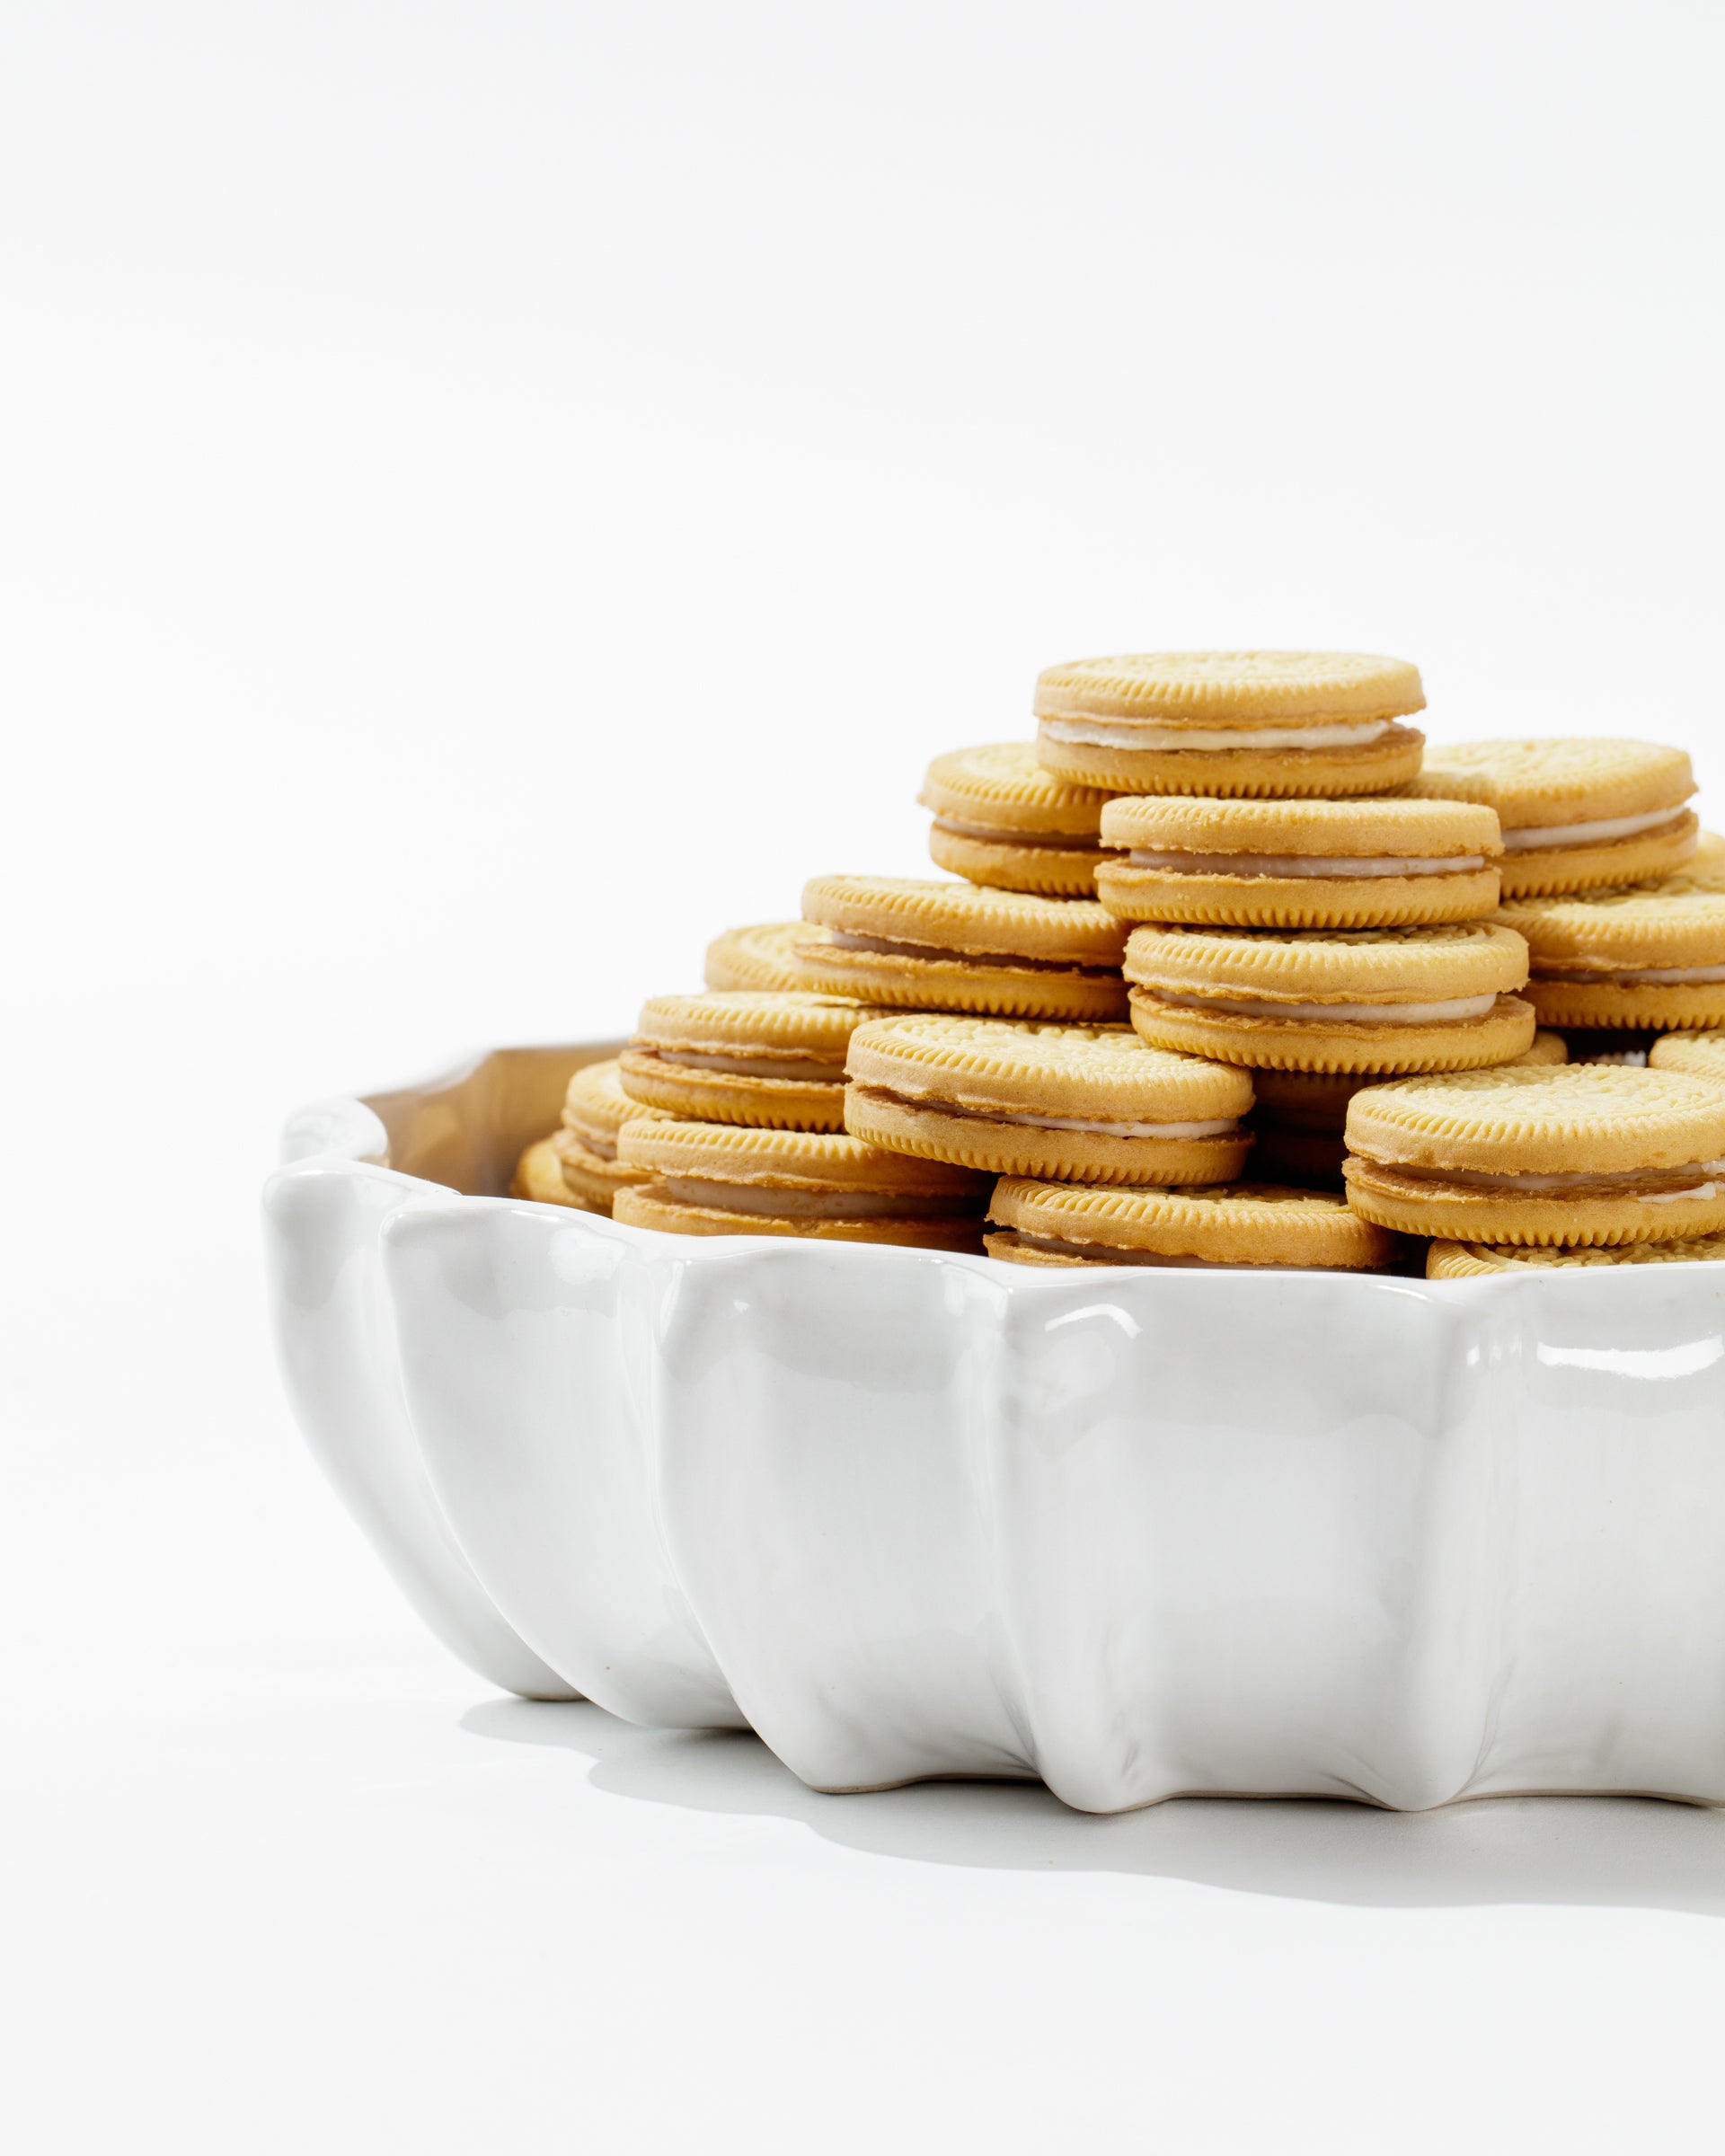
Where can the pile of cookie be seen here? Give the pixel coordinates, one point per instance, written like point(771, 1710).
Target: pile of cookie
point(1229, 970)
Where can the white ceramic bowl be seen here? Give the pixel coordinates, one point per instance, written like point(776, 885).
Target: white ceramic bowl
point(1138, 1534)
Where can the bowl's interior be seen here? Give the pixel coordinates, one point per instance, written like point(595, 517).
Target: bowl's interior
point(467, 1128)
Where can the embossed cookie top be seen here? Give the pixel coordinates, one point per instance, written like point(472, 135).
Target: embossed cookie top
point(1472, 957)
point(1524, 1119)
point(1225, 1223)
point(757, 957)
point(595, 1101)
point(790, 1160)
point(1002, 787)
point(731, 1019)
point(1384, 824)
point(1700, 1055)
point(1102, 1072)
point(1678, 921)
point(1559, 781)
point(1458, 1261)
point(965, 917)
point(1230, 688)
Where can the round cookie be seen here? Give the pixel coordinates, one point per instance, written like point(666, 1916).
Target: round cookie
point(595, 1109)
point(755, 957)
point(1577, 814)
point(1299, 863)
point(1577, 1155)
point(1231, 1224)
point(927, 946)
point(1699, 1055)
point(1001, 819)
point(726, 1179)
point(539, 1177)
point(1084, 1104)
point(1382, 999)
point(1231, 722)
point(1651, 957)
point(1460, 1260)
point(744, 1056)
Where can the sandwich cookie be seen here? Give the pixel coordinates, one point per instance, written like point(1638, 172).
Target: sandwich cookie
point(539, 1177)
point(1368, 999)
point(1297, 863)
point(1087, 1104)
point(1578, 1154)
point(1230, 1225)
point(1651, 957)
point(1700, 1055)
point(1577, 814)
point(1460, 1260)
point(1300, 1117)
point(721, 1178)
point(1001, 819)
point(755, 957)
point(1231, 722)
point(928, 946)
point(744, 1056)
point(595, 1109)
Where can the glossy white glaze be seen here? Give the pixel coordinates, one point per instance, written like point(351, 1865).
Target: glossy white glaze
point(911, 1515)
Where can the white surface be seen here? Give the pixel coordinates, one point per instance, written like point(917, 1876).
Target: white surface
point(417, 424)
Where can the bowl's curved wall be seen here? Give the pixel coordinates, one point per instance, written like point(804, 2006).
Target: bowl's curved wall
point(906, 1513)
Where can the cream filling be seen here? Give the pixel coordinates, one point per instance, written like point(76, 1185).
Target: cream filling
point(1132, 733)
point(756, 1066)
point(1457, 1008)
point(1109, 1253)
point(935, 954)
point(1648, 975)
point(909, 1097)
point(1632, 1182)
point(603, 1144)
point(1596, 834)
point(1306, 864)
point(1060, 842)
point(813, 1204)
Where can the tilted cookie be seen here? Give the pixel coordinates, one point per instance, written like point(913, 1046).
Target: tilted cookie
point(1461, 1260)
point(723, 1179)
point(755, 957)
point(1700, 1055)
point(1652, 956)
point(929, 946)
point(1231, 722)
point(1297, 863)
point(1300, 1117)
point(1088, 1104)
point(595, 1109)
point(744, 1056)
point(1577, 814)
point(539, 1176)
point(1234, 1224)
point(1368, 999)
point(1583, 1154)
point(1001, 819)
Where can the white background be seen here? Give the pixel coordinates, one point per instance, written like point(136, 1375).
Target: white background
point(492, 493)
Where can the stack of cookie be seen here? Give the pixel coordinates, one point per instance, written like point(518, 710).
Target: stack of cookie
point(1223, 915)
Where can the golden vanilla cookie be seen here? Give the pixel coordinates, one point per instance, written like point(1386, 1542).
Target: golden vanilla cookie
point(1231, 722)
point(1300, 1116)
point(1250, 1225)
point(744, 1056)
point(1369, 999)
point(929, 946)
point(728, 1178)
point(595, 1109)
point(1294, 863)
point(539, 1176)
point(1087, 1104)
point(1577, 814)
point(1460, 1260)
point(755, 957)
point(1570, 1154)
point(1652, 955)
point(1700, 1055)
point(1001, 819)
